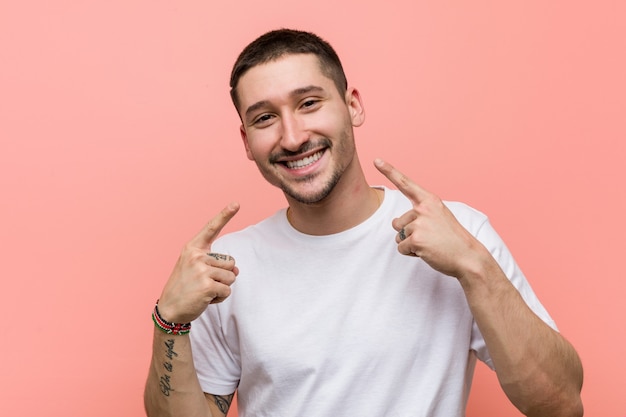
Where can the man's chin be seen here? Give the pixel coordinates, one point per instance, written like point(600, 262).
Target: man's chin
point(311, 190)
point(309, 197)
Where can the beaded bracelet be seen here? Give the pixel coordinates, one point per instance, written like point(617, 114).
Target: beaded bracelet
point(166, 326)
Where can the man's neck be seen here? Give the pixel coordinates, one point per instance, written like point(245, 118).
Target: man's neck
point(343, 209)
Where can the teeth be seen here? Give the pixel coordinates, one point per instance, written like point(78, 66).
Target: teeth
point(305, 161)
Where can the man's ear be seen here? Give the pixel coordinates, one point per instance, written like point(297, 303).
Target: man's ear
point(244, 138)
point(355, 106)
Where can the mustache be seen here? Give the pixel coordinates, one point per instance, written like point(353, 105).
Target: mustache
point(304, 148)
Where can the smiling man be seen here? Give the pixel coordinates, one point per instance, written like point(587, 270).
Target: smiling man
point(353, 300)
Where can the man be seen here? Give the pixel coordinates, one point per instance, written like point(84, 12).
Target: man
point(354, 300)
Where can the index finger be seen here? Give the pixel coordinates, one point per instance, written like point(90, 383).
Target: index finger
point(414, 192)
point(213, 228)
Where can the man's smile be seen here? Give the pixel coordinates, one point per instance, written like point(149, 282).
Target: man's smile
point(301, 163)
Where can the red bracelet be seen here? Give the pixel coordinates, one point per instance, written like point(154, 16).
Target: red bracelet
point(166, 326)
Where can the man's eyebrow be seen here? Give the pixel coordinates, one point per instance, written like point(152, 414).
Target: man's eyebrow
point(306, 90)
point(255, 107)
point(295, 93)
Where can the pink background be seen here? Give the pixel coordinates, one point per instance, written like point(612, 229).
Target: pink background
point(118, 141)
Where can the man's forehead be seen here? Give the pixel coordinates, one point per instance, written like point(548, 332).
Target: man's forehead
point(285, 75)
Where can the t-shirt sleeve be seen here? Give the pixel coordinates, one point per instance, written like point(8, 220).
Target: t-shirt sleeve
point(217, 367)
point(214, 345)
point(492, 241)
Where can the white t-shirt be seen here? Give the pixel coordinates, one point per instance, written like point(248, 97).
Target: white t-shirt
point(344, 325)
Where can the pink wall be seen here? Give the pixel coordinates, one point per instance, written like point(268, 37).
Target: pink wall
point(118, 141)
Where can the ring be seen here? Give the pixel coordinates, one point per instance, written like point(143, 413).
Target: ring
point(220, 256)
point(402, 234)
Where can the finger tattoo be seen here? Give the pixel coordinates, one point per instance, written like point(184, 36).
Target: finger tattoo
point(220, 257)
point(402, 234)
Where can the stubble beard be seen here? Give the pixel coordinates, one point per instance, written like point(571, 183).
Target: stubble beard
point(345, 146)
point(320, 195)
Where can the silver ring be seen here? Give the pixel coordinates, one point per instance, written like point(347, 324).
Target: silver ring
point(402, 234)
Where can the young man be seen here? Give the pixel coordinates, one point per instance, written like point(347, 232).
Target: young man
point(354, 300)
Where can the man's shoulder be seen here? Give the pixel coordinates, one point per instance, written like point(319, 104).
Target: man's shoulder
point(256, 232)
point(471, 218)
point(458, 208)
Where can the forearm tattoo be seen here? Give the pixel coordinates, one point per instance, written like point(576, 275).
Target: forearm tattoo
point(165, 380)
point(223, 402)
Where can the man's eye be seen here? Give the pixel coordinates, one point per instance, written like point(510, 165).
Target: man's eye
point(262, 119)
point(309, 103)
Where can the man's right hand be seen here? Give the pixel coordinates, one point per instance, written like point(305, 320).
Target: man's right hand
point(200, 277)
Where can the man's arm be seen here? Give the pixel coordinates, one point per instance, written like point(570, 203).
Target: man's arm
point(172, 388)
point(199, 278)
point(219, 404)
point(538, 369)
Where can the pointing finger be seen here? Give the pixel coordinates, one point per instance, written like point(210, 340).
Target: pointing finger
point(213, 228)
point(414, 192)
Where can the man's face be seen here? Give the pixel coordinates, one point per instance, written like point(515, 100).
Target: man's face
point(297, 127)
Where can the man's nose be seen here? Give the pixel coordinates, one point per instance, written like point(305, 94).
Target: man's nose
point(293, 133)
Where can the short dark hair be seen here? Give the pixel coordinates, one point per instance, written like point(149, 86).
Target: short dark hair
point(278, 43)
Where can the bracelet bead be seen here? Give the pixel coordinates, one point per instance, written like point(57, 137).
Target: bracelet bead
point(167, 327)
